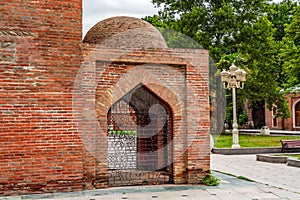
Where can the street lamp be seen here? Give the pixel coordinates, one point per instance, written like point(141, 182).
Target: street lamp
point(232, 79)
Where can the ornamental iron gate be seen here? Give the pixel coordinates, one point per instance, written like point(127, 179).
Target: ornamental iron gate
point(139, 140)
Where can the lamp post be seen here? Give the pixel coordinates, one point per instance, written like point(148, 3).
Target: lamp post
point(232, 79)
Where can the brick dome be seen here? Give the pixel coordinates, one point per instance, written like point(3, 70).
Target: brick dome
point(125, 32)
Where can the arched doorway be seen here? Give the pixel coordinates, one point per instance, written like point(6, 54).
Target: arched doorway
point(297, 115)
point(140, 139)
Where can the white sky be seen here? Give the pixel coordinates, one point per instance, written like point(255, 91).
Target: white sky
point(97, 10)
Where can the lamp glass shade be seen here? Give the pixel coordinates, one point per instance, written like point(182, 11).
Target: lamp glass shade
point(243, 77)
point(238, 74)
point(224, 76)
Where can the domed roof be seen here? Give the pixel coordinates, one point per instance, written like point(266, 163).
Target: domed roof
point(125, 32)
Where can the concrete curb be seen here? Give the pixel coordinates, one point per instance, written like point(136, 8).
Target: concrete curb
point(271, 158)
point(293, 162)
point(279, 159)
point(240, 151)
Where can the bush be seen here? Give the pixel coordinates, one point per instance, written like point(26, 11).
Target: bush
point(210, 180)
point(243, 118)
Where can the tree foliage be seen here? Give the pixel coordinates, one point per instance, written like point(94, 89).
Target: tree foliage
point(260, 36)
point(290, 52)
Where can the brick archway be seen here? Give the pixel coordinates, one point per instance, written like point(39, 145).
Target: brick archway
point(140, 139)
point(296, 114)
point(96, 166)
point(138, 76)
point(178, 77)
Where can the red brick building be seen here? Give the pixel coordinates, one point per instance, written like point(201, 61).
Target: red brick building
point(85, 114)
point(292, 123)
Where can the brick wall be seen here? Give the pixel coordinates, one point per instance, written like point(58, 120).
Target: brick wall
point(286, 124)
point(40, 52)
point(179, 77)
point(53, 109)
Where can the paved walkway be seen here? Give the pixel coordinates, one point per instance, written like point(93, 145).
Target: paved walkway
point(283, 182)
point(277, 175)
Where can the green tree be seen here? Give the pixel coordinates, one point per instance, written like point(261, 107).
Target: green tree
point(290, 52)
point(233, 31)
point(281, 14)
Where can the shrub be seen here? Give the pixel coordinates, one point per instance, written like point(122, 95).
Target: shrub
point(210, 180)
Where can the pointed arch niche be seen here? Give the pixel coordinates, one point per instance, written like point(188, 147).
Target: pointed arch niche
point(140, 139)
point(296, 114)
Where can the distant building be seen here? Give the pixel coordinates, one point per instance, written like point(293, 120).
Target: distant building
point(292, 123)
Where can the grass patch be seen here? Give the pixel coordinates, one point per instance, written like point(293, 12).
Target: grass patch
point(225, 140)
point(290, 155)
point(122, 132)
point(244, 178)
point(295, 155)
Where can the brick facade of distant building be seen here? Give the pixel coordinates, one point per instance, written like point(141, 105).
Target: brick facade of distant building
point(292, 123)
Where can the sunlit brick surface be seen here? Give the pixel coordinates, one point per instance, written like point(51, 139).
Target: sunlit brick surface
point(42, 132)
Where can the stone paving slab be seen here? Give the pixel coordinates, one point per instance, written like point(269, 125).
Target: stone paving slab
point(268, 175)
point(230, 188)
point(272, 174)
point(281, 192)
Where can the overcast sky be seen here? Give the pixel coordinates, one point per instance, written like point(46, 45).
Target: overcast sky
point(97, 10)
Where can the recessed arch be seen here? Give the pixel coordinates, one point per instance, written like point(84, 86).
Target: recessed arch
point(140, 134)
point(274, 117)
point(133, 79)
point(296, 114)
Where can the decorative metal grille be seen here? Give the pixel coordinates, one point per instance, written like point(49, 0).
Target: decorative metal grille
point(139, 132)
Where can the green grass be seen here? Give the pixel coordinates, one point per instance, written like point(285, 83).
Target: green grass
point(294, 155)
point(244, 178)
point(122, 132)
point(290, 155)
point(297, 156)
point(225, 140)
